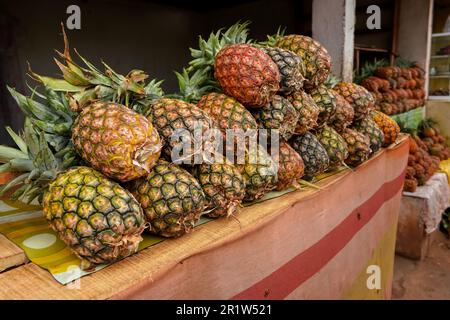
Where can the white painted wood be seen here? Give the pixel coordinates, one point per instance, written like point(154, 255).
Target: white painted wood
point(333, 25)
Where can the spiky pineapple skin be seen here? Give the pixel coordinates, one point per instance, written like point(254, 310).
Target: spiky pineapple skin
point(290, 166)
point(314, 155)
point(224, 188)
point(100, 221)
point(358, 147)
point(388, 125)
point(290, 66)
point(278, 114)
point(326, 101)
point(247, 74)
point(169, 116)
point(359, 98)
point(343, 117)
point(335, 145)
point(316, 59)
point(172, 199)
point(111, 138)
point(369, 128)
point(259, 172)
point(307, 109)
point(227, 112)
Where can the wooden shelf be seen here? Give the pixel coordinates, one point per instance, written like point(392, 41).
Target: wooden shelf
point(446, 76)
point(443, 56)
point(439, 98)
point(443, 34)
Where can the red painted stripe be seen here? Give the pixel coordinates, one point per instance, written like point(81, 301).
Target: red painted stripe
point(291, 275)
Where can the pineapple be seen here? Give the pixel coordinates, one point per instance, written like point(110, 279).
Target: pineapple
point(290, 167)
point(36, 160)
point(227, 112)
point(388, 125)
point(369, 128)
point(99, 220)
point(326, 101)
point(169, 116)
point(115, 140)
point(247, 74)
point(359, 98)
point(291, 68)
point(314, 155)
point(315, 57)
point(358, 147)
point(172, 199)
point(259, 172)
point(343, 117)
point(334, 144)
point(307, 109)
point(224, 188)
point(279, 114)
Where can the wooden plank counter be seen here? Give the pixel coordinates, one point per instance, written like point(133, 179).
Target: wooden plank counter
point(307, 244)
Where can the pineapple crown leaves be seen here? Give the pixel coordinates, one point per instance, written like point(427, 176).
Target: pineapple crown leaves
point(272, 39)
point(192, 88)
point(52, 114)
point(153, 92)
point(427, 123)
point(208, 49)
point(35, 159)
point(368, 70)
point(405, 63)
point(332, 81)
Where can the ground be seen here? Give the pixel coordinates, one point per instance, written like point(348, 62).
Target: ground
point(426, 279)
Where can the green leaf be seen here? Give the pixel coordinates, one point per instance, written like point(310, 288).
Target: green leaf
point(8, 153)
point(13, 183)
point(57, 84)
point(18, 140)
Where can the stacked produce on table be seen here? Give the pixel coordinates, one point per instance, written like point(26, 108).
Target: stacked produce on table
point(97, 148)
point(427, 149)
point(395, 89)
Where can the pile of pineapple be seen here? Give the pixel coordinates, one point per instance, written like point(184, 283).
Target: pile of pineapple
point(427, 149)
point(395, 89)
point(97, 150)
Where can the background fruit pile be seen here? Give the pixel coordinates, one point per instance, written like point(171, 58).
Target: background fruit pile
point(395, 89)
point(427, 149)
point(97, 148)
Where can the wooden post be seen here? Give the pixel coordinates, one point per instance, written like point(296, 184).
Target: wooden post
point(333, 25)
point(414, 32)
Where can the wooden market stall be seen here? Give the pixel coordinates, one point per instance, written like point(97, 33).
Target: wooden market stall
point(304, 245)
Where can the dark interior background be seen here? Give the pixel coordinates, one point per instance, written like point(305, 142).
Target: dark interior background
point(150, 35)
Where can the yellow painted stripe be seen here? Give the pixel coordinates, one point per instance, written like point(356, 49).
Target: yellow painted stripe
point(27, 231)
point(53, 257)
point(383, 257)
point(62, 267)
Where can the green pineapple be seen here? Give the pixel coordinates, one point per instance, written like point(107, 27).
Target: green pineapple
point(334, 144)
point(369, 128)
point(278, 114)
point(326, 101)
point(291, 68)
point(172, 199)
point(224, 188)
point(98, 219)
point(314, 155)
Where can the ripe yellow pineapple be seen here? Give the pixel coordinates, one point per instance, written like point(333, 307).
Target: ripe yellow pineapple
point(388, 125)
point(115, 140)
